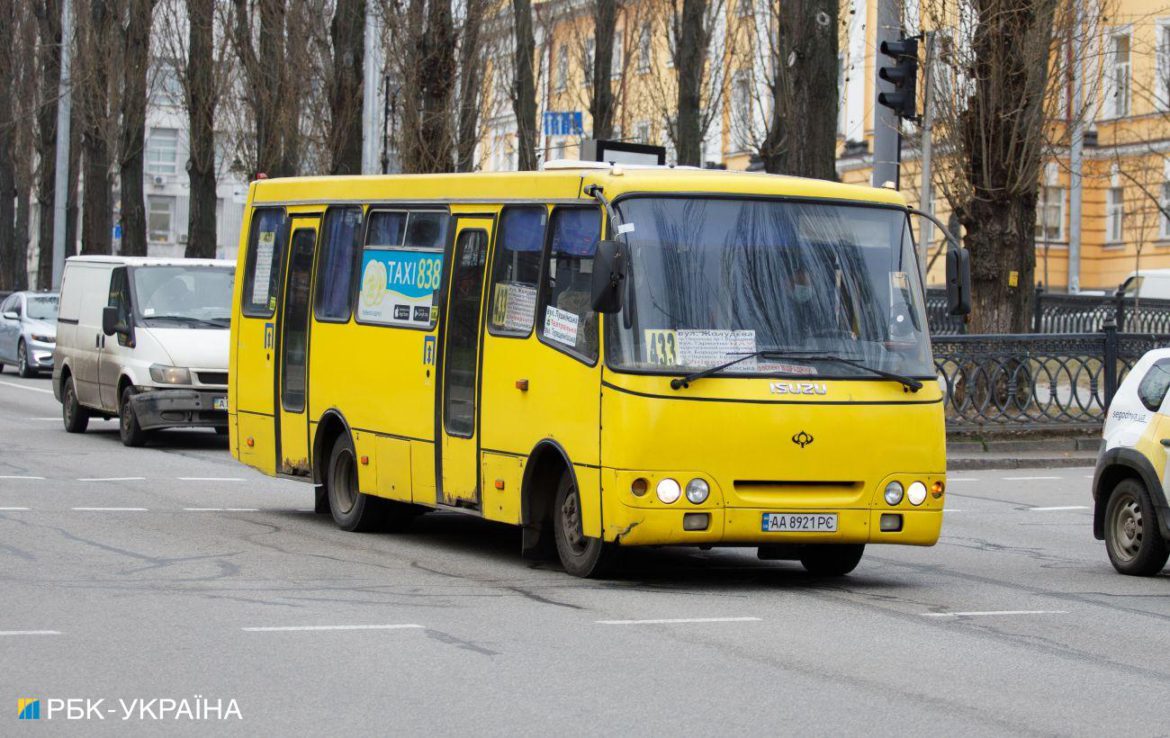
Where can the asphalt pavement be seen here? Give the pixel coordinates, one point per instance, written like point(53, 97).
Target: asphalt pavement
point(173, 573)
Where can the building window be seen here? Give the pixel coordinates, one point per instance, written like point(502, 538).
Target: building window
point(1050, 215)
point(590, 52)
point(616, 71)
point(741, 109)
point(1117, 90)
point(1164, 208)
point(1114, 214)
point(160, 211)
point(1162, 75)
point(671, 41)
point(562, 68)
point(162, 147)
point(644, 49)
point(642, 132)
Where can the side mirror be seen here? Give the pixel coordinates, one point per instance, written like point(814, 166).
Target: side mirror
point(11, 315)
point(609, 276)
point(110, 321)
point(958, 281)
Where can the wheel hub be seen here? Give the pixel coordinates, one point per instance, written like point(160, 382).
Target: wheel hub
point(1128, 529)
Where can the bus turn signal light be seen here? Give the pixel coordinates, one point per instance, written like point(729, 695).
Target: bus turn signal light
point(250, 442)
point(639, 486)
point(522, 385)
point(936, 490)
point(499, 484)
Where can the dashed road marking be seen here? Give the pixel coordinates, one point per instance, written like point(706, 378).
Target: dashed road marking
point(26, 387)
point(19, 476)
point(109, 509)
point(1030, 479)
point(111, 479)
point(221, 509)
point(962, 479)
point(14, 509)
point(671, 621)
point(1058, 508)
point(951, 509)
point(980, 613)
point(211, 479)
point(290, 628)
point(30, 632)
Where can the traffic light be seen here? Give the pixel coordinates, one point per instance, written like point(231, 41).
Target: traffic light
point(903, 74)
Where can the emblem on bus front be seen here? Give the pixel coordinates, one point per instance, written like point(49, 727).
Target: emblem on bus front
point(802, 439)
point(799, 388)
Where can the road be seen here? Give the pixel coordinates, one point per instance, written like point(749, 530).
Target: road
point(173, 572)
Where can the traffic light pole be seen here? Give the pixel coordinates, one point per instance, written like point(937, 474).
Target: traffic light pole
point(887, 125)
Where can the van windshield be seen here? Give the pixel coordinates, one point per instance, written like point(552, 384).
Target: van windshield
point(808, 284)
point(183, 297)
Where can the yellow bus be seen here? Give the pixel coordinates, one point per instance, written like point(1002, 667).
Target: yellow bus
point(605, 356)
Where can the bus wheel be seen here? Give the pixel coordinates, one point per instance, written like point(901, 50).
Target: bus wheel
point(1132, 538)
point(580, 555)
point(352, 510)
point(831, 559)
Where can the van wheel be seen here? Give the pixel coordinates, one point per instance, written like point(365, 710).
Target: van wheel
point(128, 427)
point(22, 365)
point(580, 555)
point(352, 510)
point(831, 559)
point(1132, 537)
point(75, 416)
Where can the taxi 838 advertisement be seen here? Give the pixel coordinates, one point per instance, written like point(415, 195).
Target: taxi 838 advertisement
point(398, 286)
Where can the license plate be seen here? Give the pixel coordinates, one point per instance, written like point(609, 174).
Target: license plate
point(219, 403)
point(800, 523)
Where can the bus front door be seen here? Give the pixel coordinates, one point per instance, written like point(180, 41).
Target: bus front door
point(293, 424)
point(459, 399)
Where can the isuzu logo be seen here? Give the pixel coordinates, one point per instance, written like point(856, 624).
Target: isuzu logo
point(802, 439)
point(799, 388)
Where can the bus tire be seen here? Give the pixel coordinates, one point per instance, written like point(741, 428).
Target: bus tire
point(580, 555)
point(73, 415)
point(352, 509)
point(831, 559)
point(1132, 537)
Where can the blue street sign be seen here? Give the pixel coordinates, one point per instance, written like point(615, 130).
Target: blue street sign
point(118, 232)
point(567, 123)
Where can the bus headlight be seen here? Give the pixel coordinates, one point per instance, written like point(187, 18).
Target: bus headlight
point(697, 491)
point(893, 493)
point(164, 374)
point(668, 491)
point(916, 493)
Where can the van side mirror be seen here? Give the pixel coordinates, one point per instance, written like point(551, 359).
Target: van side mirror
point(609, 276)
point(110, 322)
point(958, 281)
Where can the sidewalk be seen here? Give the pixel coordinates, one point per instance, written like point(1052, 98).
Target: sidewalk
point(1049, 453)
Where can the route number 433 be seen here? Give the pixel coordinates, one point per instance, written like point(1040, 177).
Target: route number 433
point(661, 347)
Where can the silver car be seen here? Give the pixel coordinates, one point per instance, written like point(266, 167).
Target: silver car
point(28, 331)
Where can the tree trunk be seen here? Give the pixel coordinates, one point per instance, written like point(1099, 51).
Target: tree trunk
point(690, 59)
point(72, 207)
point(438, 79)
point(411, 144)
point(49, 59)
point(1000, 235)
point(601, 105)
point(20, 276)
point(348, 31)
point(470, 81)
point(9, 253)
point(802, 137)
point(94, 100)
point(136, 59)
point(524, 85)
point(201, 104)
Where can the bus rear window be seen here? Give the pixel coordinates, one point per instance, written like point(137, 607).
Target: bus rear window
point(265, 255)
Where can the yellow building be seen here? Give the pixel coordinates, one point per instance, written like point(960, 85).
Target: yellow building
point(1126, 62)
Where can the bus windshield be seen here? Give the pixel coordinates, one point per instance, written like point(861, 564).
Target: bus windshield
point(806, 284)
point(184, 297)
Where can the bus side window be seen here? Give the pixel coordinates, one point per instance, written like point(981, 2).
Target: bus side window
point(516, 270)
point(567, 317)
point(265, 257)
point(337, 263)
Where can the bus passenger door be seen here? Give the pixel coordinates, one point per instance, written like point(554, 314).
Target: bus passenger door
point(292, 372)
point(459, 399)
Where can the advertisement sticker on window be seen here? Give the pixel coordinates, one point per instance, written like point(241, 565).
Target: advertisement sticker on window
point(711, 347)
point(515, 304)
point(560, 326)
point(398, 286)
point(265, 246)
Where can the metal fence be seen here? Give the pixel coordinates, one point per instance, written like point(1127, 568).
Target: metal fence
point(1058, 380)
point(1061, 313)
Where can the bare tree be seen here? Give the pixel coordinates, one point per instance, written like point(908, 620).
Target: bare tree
point(471, 82)
point(347, 32)
point(132, 157)
point(601, 106)
point(201, 96)
point(48, 16)
point(24, 101)
point(92, 90)
point(524, 84)
point(10, 254)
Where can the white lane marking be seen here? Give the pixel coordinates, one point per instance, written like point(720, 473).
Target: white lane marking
point(962, 479)
point(221, 509)
point(1061, 507)
point(977, 613)
point(18, 476)
point(26, 387)
point(108, 509)
point(668, 621)
point(111, 479)
point(30, 632)
point(284, 628)
point(14, 509)
point(1029, 479)
point(211, 479)
point(951, 509)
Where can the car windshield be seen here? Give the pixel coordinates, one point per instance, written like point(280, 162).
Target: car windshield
point(184, 297)
point(711, 280)
point(42, 307)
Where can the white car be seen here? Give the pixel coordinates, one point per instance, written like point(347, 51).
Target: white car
point(144, 340)
point(28, 330)
point(1131, 480)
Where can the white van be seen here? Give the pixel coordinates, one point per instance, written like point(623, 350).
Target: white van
point(1147, 283)
point(144, 340)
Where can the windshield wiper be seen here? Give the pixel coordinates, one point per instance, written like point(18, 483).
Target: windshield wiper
point(910, 383)
point(186, 319)
point(680, 382)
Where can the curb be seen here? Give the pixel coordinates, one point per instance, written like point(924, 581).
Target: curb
point(967, 463)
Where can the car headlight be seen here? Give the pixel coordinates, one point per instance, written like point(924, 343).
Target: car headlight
point(164, 374)
point(893, 493)
point(916, 493)
point(43, 339)
point(697, 491)
point(668, 491)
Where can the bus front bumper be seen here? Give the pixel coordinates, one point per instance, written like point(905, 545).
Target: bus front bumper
point(636, 526)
